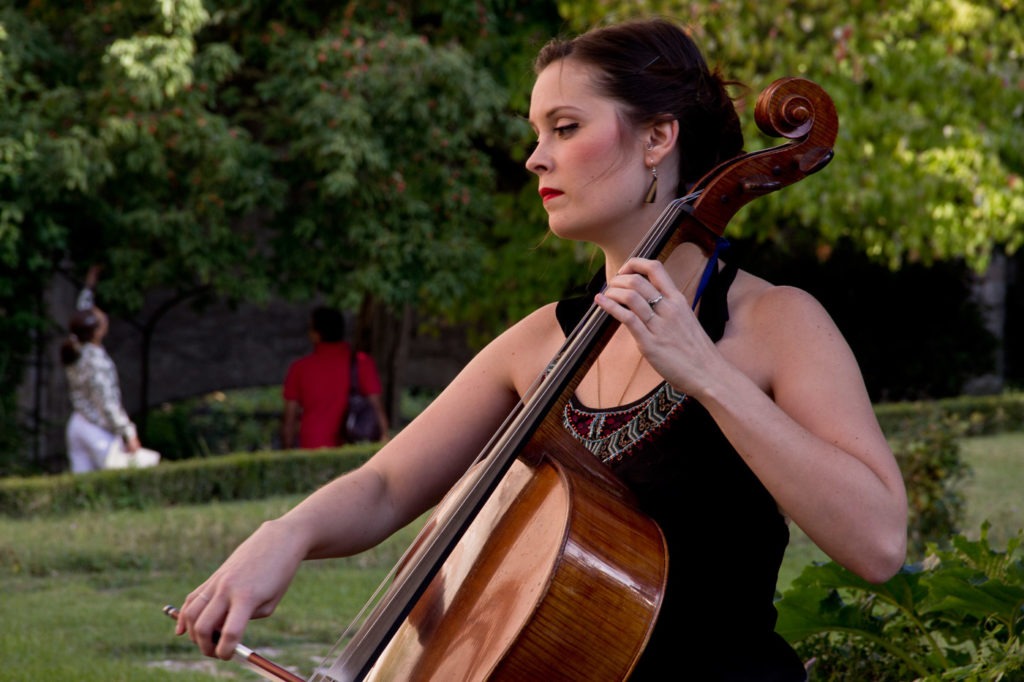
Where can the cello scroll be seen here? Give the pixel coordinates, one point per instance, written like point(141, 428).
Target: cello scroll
point(793, 108)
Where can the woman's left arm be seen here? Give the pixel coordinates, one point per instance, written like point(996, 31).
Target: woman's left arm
point(786, 391)
point(800, 417)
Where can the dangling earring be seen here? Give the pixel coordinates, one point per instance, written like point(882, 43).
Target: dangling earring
point(652, 191)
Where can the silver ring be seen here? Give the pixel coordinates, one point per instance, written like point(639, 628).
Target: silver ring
point(654, 301)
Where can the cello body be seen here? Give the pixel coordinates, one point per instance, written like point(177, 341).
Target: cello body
point(556, 579)
point(539, 565)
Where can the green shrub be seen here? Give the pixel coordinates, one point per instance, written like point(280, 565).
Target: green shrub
point(980, 415)
point(218, 423)
point(955, 616)
point(240, 420)
point(231, 477)
point(927, 449)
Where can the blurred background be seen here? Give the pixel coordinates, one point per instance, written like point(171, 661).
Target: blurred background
point(232, 164)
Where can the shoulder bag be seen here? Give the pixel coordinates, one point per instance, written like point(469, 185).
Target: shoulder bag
point(361, 423)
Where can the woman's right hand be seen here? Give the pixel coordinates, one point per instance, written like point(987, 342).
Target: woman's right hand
point(248, 585)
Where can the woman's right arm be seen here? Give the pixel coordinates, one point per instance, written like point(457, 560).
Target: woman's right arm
point(356, 511)
point(86, 298)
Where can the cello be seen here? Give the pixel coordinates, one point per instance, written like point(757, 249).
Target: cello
point(516, 571)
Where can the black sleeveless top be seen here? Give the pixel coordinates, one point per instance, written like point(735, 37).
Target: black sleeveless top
point(725, 535)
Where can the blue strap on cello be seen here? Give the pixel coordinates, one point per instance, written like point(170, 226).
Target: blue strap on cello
point(721, 244)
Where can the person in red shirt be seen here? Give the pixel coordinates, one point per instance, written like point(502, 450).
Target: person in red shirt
point(316, 386)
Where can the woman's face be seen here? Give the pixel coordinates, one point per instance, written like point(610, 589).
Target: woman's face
point(591, 169)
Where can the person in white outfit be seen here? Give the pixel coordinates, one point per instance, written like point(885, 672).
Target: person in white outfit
point(100, 435)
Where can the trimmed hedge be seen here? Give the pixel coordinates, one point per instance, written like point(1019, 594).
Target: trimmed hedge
point(924, 436)
point(195, 481)
point(980, 415)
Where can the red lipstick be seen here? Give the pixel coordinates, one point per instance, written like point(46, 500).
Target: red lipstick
point(548, 193)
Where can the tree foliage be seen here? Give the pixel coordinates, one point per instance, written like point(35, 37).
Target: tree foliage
point(131, 163)
point(359, 116)
point(331, 149)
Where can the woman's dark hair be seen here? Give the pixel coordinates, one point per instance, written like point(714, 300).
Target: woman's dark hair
point(656, 72)
point(83, 326)
point(328, 323)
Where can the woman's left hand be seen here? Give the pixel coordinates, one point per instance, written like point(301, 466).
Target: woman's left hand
point(660, 317)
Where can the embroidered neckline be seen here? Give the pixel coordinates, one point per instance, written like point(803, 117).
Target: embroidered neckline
point(613, 433)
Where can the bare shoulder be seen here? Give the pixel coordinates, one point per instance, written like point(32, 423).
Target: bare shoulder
point(758, 305)
point(525, 349)
point(777, 331)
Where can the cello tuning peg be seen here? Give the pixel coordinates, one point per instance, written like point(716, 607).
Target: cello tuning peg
point(814, 159)
point(760, 184)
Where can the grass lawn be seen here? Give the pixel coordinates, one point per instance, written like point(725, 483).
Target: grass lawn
point(82, 595)
point(993, 491)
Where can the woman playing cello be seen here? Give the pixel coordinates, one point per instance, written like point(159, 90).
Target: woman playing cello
point(729, 406)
